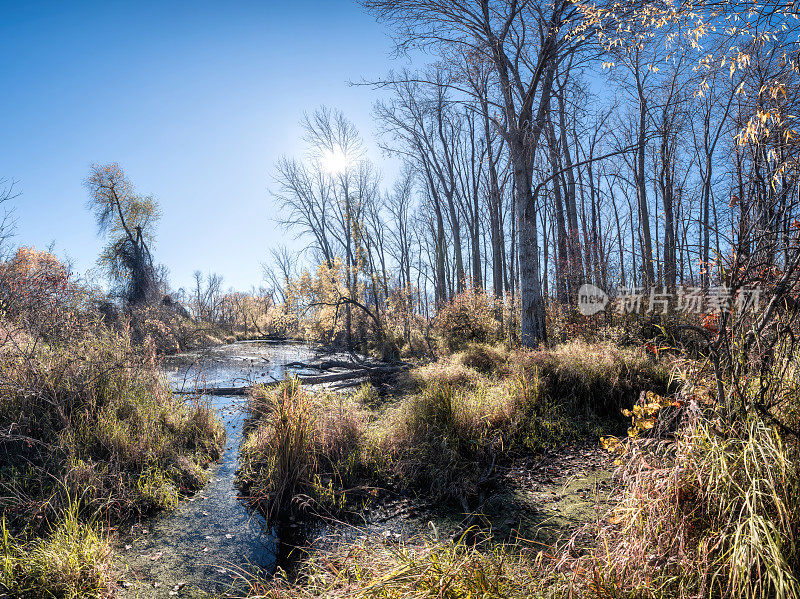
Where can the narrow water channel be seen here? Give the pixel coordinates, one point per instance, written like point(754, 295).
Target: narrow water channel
point(209, 540)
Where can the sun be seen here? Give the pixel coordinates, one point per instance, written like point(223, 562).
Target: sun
point(335, 162)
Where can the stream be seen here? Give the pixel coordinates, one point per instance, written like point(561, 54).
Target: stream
point(209, 543)
point(209, 540)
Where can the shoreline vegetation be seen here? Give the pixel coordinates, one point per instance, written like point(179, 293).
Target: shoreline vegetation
point(91, 435)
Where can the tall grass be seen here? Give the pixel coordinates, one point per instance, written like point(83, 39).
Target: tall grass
point(84, 413)
point(721, 518)
point(73, 561)
point(597, 378)
point(300, 451)
point(446, 438)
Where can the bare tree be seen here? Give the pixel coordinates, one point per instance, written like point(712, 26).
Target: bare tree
point(280, 271)
point(8, 221)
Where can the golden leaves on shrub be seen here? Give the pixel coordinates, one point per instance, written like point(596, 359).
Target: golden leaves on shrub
point(643, 418)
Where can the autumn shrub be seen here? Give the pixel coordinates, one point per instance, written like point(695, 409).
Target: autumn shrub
point(468, 318)
point(417, 344)
point(83, 410)
point(38, 292)
point(564, 322)
point(277, 322)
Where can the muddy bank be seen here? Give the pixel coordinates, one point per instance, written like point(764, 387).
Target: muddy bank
point(540, 502)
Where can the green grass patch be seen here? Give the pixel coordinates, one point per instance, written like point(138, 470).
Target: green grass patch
point(73, 561)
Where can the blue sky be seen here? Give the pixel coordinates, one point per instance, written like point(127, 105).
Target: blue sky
point(196, 100)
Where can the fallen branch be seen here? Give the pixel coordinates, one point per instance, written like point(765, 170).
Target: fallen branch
point(305, 380)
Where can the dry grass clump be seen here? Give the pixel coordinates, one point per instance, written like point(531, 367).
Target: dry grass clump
point(721, 518)
point(74, 561)
point(93, 413)
point(594, 379)
point(486, 359)
point(446, 438)
point(447, 371)
point(438, 442)
point(420, 568)
point(301, 451)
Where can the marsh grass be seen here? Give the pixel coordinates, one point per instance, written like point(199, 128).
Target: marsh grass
point(96, 415)
point(72, 561)
point(301, 451)
point(444, 437)
point(486, 359)
point(715, 515)
point(712, 512)
point(595, 378)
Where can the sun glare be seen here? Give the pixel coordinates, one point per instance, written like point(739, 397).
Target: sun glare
point(335, 162)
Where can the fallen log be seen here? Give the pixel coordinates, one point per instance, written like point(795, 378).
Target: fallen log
point(305, 380)
point(343, 364)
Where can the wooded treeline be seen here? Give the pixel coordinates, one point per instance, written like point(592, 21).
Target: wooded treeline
point(552, 144)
